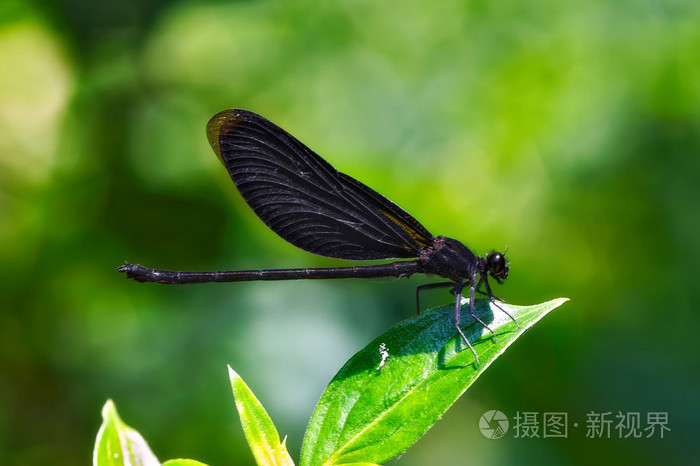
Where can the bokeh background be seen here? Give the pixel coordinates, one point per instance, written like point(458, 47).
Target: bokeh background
point(569, 132)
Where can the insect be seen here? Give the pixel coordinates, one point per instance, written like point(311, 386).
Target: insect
point(306, 201)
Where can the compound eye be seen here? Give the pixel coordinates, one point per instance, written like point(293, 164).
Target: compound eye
point(497, 265)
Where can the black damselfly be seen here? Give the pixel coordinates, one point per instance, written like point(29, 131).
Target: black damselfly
point(306, 201)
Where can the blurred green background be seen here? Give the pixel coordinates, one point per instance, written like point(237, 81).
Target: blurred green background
point(569, 132)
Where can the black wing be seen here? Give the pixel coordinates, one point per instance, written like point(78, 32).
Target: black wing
point(306, 201)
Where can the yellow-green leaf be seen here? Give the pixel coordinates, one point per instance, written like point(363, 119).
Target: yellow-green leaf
point(262, 436)
point(118, 444)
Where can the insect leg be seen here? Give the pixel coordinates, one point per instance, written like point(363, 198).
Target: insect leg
point(458, 308)
point(429, 286)
point(472, 292)
point(493, 299)
point(483, 293)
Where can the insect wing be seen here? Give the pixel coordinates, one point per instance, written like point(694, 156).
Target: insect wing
point(306, 201)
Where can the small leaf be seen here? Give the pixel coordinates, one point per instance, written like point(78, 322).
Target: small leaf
point(391, 392)
point(262, 436)
point(118, 444)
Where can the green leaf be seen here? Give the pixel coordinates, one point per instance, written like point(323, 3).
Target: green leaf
point(262, 436)
point(391, 392)
point(118, 444)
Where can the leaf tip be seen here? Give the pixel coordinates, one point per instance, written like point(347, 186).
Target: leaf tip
point(232, 374)
point(109, 412)
point(555, 303)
